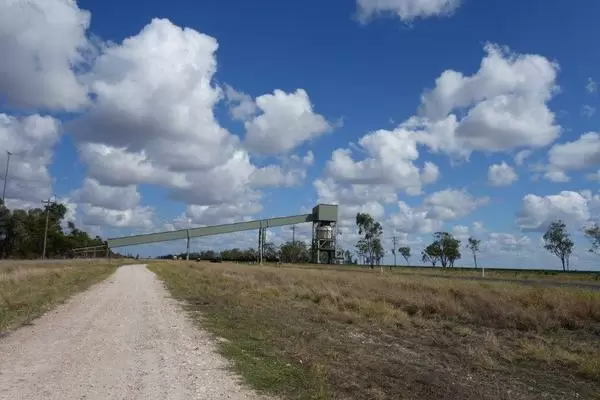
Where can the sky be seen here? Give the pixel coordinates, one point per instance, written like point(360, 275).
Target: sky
point(473, 117)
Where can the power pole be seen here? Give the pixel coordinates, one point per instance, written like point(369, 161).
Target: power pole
point(394, 250)
point(295, 254)
point(294, 234)
point(8, 154)
point(47, 203)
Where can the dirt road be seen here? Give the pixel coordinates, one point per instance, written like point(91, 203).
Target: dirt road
point(123, 339)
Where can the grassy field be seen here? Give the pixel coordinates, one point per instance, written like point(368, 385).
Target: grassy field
point(29, 289)
point(510, 274)
point(588, 277)
point(354, 334)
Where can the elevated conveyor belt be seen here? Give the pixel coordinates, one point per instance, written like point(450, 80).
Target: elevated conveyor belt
point(208, 231)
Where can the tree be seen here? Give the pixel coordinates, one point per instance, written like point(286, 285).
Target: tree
point(370, 243)
point(292, 252)
point(558, 242)
point(473, 245)
point(405, 252)
point(432, 254)
point(447, 248)
point(361, 251)
point(22, 233)
point(593, 234)
point(348, 257)
point(378, 251)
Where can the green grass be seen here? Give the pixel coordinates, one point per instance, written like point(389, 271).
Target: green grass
point(305, 333)
point(29, 290)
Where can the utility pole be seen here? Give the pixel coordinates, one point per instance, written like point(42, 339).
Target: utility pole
point(8, 154)
point(295, 254)
point(261, 244)
point(47, 203)
point(394, 250)
point(294, 235)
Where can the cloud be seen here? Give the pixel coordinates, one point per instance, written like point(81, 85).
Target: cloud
point(557, 176)
point(503, 243)
point(504, 106)
point(195, 215)
point(241, 105)
point(389, 161)
point(574, 208)
point(42, 43)
point(138, 217)
point(451, 204)
point(501, 174)
point(594, 176)
point(437, 208)
point(592, 86)
point(588, 111)
point(31, 141)
point(115, 198)
point(152, 122)
point(521, 156)
point(414, 220)
point(286, 121)
point(406, 10)
point(580, 154)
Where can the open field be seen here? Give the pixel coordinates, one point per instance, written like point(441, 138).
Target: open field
point(306, 333)
point(28, 289)
point(588, 277)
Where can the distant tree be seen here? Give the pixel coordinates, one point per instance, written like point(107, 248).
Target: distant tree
point(271, 252)
point(431, 254)
point(558, 242)
point(294, 252)
point(370, 244)
point(446, 247)
point(473, 245)
point(348, 257)
point(405, 252)
point(361, 251)
point(593, 234)
point(378, 251)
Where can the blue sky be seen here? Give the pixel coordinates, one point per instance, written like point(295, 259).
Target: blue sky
point(466, 116)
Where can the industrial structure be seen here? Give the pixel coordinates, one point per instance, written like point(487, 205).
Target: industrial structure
point(324, 219)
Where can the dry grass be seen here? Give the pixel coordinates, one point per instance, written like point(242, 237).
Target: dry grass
point(588, 277)
point(28, 289)
point(317, 334)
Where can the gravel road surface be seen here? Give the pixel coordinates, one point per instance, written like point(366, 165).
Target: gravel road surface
point(124, 338)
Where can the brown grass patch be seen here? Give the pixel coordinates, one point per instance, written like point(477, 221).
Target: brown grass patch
point(317, 333)
point(28, 289)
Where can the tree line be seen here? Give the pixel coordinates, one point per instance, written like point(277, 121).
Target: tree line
point(445, 249)
point(22, 233)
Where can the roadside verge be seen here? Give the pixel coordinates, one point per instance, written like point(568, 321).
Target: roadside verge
point(28, 290)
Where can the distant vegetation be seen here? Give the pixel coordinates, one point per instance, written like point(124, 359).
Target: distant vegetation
point(443, 251)
point(22, 233)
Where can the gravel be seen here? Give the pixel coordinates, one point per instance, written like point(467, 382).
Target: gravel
point(125, 338)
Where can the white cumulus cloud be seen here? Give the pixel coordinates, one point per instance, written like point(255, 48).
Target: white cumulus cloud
point(504, 106)
point(406, 10)
point(31, 141)
point(41, 42)
point(501, 174)
point(574, 208)
point(286, 120)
